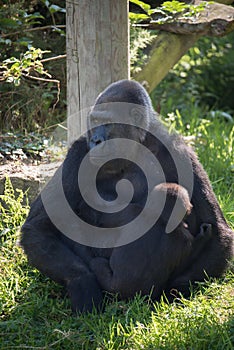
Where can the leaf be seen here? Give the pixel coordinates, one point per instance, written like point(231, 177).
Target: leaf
point(56, 8)
point(11, 60)
point(46, 3)
point(59, 31)
point(5, 41)
point(141, 4)
point(32, 16)
point(137, 16)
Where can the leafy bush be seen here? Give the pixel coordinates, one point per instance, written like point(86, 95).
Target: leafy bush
point(26, 25)
point(20, 146)
point(204, 77)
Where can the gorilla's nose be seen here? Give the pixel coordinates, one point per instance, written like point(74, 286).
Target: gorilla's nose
point(96, 140)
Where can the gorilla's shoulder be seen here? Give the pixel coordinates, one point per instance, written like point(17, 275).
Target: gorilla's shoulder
point(79, 146)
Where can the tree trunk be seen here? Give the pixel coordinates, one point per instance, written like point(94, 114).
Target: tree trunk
point(167, 50)
point(97, 54)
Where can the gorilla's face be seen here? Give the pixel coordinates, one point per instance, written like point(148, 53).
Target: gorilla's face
point(106, 130)
point(113, 118)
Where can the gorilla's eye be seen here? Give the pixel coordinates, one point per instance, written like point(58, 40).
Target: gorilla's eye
point(95, 122)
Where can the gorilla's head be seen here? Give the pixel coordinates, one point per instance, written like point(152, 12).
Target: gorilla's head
point(128, 91)
point(123, 110)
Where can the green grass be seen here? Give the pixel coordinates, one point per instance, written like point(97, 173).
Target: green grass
point(36, 315)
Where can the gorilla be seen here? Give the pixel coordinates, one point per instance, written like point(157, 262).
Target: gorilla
point(151, 225)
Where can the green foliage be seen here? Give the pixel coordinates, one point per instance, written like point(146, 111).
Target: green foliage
point(178, 7)
point(174, 6)
point(29, 107)
point(36, 27)
point(214, 142)
point(18, 146)
point(53, 8)
point(141, 4)
point(15, 18)
point(13, 68)
point(204, 77)
point(135, 17)
point(12, 209)
point(168, 11)
point(20, 20)
point(140, 40)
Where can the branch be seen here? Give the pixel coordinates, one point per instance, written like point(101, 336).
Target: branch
point(33, 30)
point(53, 58)
point(47, 81)
point(215, 20)
point(41, 79)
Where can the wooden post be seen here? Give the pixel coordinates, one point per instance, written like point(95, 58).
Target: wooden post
point(97, 54)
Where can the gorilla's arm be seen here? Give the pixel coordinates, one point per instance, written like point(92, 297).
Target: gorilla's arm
point(45, 248)
point(49, 255)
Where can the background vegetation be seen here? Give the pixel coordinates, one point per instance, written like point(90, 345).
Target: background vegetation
point(196, 100)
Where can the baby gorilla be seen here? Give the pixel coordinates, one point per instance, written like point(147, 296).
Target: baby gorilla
point(115, 276)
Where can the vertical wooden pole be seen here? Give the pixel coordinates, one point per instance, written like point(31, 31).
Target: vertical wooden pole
point(97, 54)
